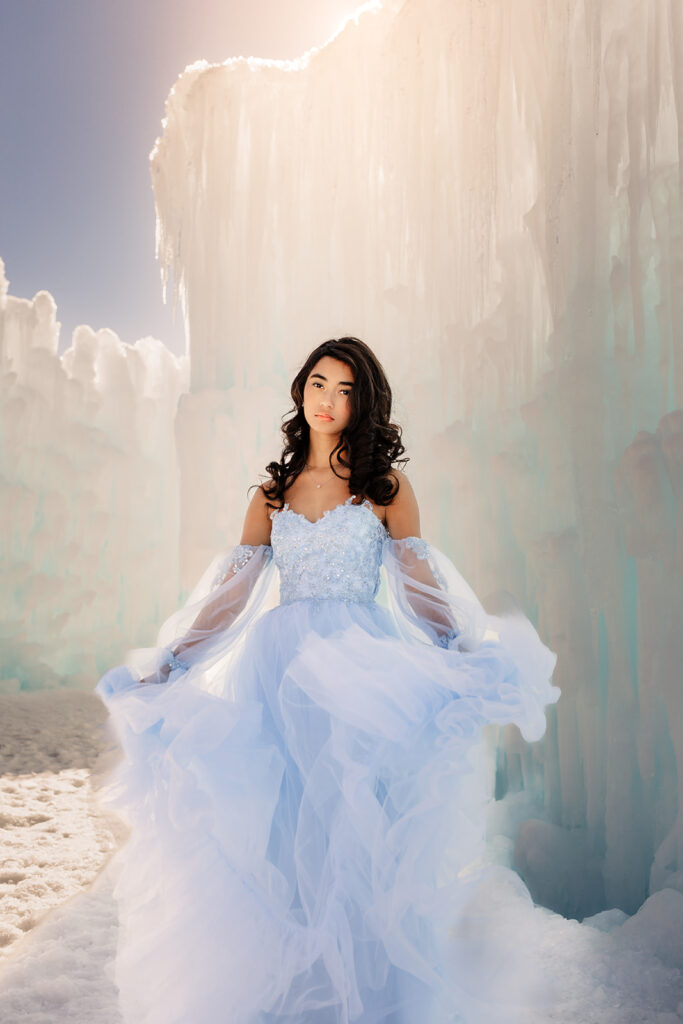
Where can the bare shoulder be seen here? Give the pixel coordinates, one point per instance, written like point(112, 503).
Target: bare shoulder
point(403, 514)
point(257, 522)
point(405, 488)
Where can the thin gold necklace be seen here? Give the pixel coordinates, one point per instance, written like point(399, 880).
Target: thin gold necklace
point(324, 481)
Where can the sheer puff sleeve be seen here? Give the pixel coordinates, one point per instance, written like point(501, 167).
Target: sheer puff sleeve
point(431, 602)
point(235, 588)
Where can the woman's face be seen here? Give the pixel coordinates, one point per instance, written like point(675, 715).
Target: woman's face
point(327, 406)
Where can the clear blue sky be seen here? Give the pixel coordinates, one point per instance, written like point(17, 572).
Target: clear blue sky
point(82, 91)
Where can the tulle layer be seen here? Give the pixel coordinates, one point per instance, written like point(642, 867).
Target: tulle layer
point(305, 825)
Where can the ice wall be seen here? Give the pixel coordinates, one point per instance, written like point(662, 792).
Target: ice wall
point(489, 194)
point(88, 492)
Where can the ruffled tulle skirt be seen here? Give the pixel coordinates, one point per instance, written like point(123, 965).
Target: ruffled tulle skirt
point(304, 830)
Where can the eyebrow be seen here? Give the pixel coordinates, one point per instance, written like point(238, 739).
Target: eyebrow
point(349, 383)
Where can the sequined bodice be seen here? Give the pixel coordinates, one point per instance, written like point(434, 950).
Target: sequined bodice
point(337, 556)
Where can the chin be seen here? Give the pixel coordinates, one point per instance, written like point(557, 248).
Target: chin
point(325, 426)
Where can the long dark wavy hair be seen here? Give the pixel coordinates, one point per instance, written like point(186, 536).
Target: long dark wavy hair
point(368, 446)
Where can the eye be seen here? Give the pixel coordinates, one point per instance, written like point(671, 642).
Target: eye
point(316, 383)
point(346, 391)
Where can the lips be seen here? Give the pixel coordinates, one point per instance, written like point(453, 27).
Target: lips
point(323, 416)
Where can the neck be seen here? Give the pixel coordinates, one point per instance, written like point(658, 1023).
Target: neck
point(319, 448)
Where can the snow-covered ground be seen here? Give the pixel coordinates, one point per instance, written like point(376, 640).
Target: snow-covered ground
point(58, 917)
point(55, 839)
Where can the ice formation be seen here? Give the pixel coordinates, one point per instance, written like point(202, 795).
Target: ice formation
point(88, 485)
point(488, 194)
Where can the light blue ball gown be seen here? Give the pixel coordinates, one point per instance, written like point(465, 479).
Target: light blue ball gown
point(304, 800)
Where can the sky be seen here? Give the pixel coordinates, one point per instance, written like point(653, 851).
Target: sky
point(82, 91)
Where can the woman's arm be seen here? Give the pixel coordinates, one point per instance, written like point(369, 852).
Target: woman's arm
point(403, 524)
point(228, 595)
point(257, 522)
point(403, 515)
point(218, 613)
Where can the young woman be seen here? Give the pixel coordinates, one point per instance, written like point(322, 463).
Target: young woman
point(301, 788)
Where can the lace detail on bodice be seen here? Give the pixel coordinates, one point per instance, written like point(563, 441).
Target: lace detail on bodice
point(338, 556)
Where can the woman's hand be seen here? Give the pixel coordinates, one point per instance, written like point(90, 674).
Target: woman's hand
point(170, 664)
point(157, 677)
